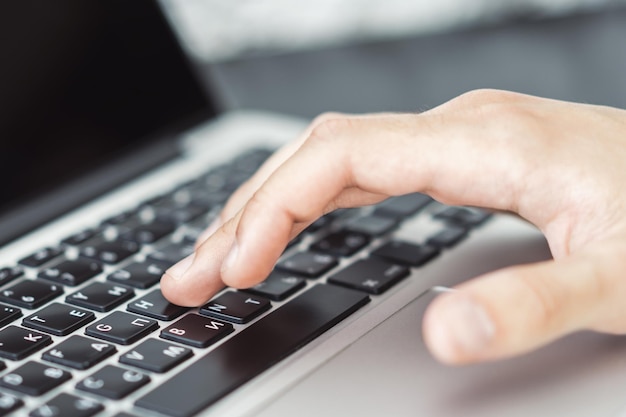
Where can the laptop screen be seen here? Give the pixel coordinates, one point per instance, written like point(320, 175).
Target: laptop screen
point(82, 83)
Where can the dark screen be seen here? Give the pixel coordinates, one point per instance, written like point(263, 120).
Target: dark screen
point(81, 83)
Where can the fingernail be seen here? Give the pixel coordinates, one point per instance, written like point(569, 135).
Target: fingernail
point(461, 330)
point(178, 270)
point(231, 258)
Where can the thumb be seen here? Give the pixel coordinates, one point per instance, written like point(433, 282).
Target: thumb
point(518, 309)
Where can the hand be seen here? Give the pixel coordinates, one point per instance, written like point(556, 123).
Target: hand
point(559, 165)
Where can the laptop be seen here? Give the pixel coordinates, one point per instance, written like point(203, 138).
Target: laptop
point(115, 158)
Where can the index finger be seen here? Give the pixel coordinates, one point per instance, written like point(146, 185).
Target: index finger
point(454, 156)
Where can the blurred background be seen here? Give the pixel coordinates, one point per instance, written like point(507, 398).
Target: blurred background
point(304, 58)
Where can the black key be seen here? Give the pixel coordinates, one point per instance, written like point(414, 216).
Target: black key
point(406, 253)
point(34, 378)
point(156, 306)
point(156, 356)
point(122, 328)
point(372, 225)
point(277, 286)
point(236, 307)
point(79, 352)
point(80, 237)
point(208, 199)
point(215, 180)
point(139, 274)
point(171, 254)
point(447, 237)
point(40, 257)
point(251, 161)
point(58, 319)
point(100, 296)
point(72, 273)
point(9, 274)
point(463, 216)
point(373, 276)
point(30, 294)
point(402, 206)
point(198, 331)
point(121, 218)
point(110, 252)
point(253, 350)
point(321, 223)
point(342, 243)
point(113, 382)
point(8, 314)
point(149, 233)
point(308, 264)
point(179, 215)
point(17, 343)
point(67, 405)
point(8, 404)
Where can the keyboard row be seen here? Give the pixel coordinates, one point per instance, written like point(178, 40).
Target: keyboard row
point(108, 251)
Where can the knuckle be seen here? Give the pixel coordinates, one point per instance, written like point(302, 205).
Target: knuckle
point(329, 130)
point(324, 117)
point(484, 96)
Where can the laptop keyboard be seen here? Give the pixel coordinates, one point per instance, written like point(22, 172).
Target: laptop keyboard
point(84, 322)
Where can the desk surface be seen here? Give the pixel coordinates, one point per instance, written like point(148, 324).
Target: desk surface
point(579, 58)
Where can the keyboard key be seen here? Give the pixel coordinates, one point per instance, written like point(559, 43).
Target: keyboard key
point(463, 216)
point(121, 218)
point(372, 225)
point(308, 264)
point(277, 286)
point(79, 352)
point(373, 276)
point(402, 206)
point(122, 328)
point(447, 237)
point(406, 253)
point(111, 252)
point(9, 274)
point(342, 243)
point(8, 404)
point(198, 331)
point(34, 378)
point(100, 296)
point(149, 233)
point(171, 254)
point(113, 382)
point(154, 305)
point(8, 314)
point(321, 223)
point(17, 343)
point(179, 215)
point(253, 350)
point(58, 319)
point(139, 274)
point(30, 294)
point(40, 257)
point(80, 237)
point(156, 356)
point(67, 405)
point(71, 273)
point(236, 307)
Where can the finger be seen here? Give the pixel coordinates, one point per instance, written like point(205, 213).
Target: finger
point(483, 156)
point(248, 188)
point(390, 155)
point(518, 309)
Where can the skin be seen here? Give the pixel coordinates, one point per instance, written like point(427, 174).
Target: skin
point(559, 165)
